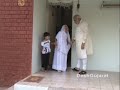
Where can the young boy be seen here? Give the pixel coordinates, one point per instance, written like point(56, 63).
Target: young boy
point(45, 50)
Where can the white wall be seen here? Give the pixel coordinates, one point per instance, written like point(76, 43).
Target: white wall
point(104, 29)
point(39, 27)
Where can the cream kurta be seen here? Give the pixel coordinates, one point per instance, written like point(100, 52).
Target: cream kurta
point(82, 36)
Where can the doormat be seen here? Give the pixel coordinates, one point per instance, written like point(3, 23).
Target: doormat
point(35, 79)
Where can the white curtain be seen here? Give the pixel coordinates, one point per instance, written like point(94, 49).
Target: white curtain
point(63, 3)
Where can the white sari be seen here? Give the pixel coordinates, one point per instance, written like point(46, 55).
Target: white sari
point(61, 51)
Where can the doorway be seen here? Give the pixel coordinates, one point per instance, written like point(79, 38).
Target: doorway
point(59, 16)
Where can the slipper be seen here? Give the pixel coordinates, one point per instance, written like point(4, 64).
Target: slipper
point(74, 69)
point(82, 72)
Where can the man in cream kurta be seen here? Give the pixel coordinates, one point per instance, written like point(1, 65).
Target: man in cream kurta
point(83, 44)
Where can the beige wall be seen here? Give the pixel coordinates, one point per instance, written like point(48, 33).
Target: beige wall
point(104, 29)
point(39, 27)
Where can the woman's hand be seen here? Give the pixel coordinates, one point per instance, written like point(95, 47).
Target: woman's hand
point(69, 43)
point(54, 43)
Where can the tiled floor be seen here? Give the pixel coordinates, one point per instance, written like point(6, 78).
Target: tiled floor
point(69, 81)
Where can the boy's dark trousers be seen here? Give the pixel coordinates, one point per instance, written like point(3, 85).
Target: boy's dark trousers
point(45, 60)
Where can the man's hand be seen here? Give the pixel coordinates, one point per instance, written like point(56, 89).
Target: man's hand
point(83, 46)
point(73, 40)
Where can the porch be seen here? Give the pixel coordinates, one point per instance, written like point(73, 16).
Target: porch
point(69, 80)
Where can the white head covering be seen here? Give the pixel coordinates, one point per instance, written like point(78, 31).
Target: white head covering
point(68, 35)
point(63, 28)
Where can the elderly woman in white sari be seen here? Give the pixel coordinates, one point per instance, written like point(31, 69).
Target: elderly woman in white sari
point(62, 48)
